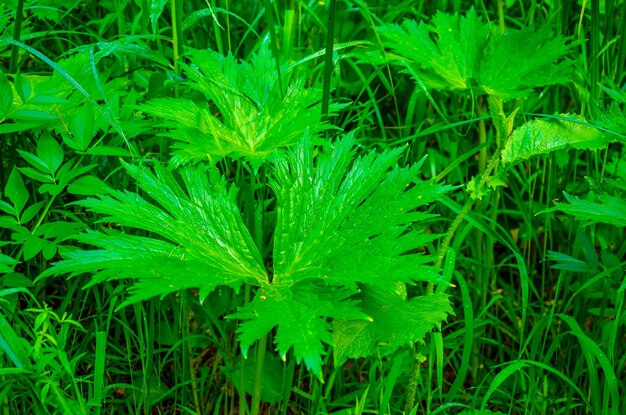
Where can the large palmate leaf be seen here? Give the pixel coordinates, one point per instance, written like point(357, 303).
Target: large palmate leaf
point(343, 224)
point(345, 221)
point(345, 235)
point(246, 112)
point(460, 53)
point(449, 62)
point(198, 237)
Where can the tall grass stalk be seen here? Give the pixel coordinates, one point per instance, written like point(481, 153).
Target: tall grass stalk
point(328, 58)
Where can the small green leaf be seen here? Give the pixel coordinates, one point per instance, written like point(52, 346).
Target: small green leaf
point(32, 246)
point(83, 127)
point(23, 87)
point(34, 161)
point(33, 115)
point(7, 208)
point(36, 175)
point(156, 9)
point(50, 152)
point(30, 212)
point(16, 191)
point(7, 263)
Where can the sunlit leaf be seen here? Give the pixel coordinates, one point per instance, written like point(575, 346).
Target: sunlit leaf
point(541, 136)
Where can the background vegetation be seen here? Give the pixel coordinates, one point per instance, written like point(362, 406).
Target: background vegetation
point(517, 105)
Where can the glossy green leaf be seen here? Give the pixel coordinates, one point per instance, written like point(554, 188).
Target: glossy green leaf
point(447, 52)
point(248, 117)
point(344, 220)
point(88, 185)
point(541, 136)
point(156, 9)
point(394, 322)
point(464, 53)
point(205, 243)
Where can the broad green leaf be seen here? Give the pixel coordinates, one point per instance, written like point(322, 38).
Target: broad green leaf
point(301, 314)
point(205, 243)
point(464, 53)
point(248, 115)
point(519, 60)
point(342, 224)
point(541, 136)
point(451, 60)
point(88, 185)
point(395, 322)
point(16, 191)
point(6, 96)
point(344, 220)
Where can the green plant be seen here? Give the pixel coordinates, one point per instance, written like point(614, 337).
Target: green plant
point(342, 243)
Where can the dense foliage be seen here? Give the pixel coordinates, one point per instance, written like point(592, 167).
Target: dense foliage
point(308, 207)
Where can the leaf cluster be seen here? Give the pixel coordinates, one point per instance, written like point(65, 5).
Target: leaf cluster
point(344, 223)
point(246, 110)
point(459, 53)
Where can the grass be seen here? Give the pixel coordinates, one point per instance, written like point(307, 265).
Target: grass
point(537, 291)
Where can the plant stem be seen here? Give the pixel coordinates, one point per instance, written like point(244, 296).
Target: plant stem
point(177, 35)
point(328, 59)
point(274, 42)
point(17, 34)
point(258, 375)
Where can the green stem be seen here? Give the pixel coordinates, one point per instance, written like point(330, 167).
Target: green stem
point(272, 29)
point(258, 375)
point(501, 16)
point(413, 383)
point(177, 34)
point(17, 34)
point(328, 60)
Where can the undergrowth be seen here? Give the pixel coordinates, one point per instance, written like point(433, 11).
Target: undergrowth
point(306, 207)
